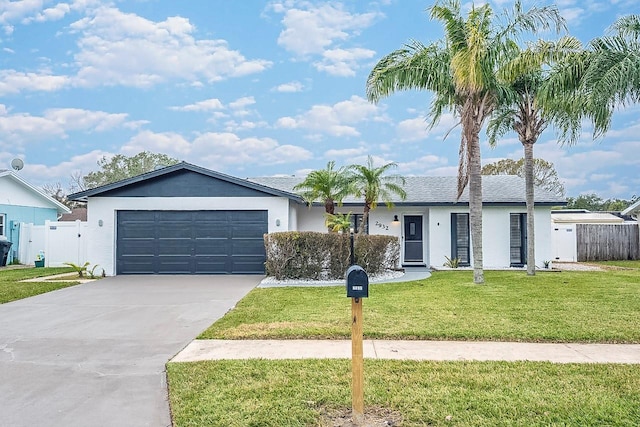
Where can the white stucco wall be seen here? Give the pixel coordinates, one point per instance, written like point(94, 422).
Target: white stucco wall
point(101, 245)
point(495, 234)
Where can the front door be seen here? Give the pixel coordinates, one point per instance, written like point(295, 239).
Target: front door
point(413, 239)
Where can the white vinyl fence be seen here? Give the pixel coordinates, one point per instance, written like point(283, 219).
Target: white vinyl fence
point(60, 241)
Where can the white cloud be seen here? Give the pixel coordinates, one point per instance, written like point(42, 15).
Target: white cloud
point(342, 62)
point(290, 87)
point(418, 128)
point(420, 165)
point(119, 48)
point(206, 105)
point(56, 123)
point(12, 81)
point(345, 153)
point(39, 174)
point(241, 103)
point(214, 149)
point(244, 125)
point(334, 120)
point(320, 30)
point(167, 142)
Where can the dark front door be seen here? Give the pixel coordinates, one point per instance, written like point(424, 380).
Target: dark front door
point(413, 238)
point(190, 242)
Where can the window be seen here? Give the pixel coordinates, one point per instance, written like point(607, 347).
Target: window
point(460, 238)
point(518, 233)
point(3, 225)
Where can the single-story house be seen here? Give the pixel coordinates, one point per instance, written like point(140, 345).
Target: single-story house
point(185, 219)
point(21, 202)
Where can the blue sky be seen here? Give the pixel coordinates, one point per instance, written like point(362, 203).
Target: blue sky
point(253, 88)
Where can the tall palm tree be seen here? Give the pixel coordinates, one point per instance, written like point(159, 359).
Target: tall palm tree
point(604, 77)
point(529, 115)
point(371, 183)
point(328, 186)
point(461, 71)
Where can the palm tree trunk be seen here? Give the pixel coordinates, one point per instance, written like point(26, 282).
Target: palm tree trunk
point(529, 191)
point(365, 218)
point(475, 206)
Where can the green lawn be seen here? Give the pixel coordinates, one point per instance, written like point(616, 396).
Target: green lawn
point(624, 264)
point(549, 307)
point(11, 289)
point(293, 393)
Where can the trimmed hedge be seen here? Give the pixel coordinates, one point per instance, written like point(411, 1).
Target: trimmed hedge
point(325, 256)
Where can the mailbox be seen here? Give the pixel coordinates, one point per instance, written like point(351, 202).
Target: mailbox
point(357, 282)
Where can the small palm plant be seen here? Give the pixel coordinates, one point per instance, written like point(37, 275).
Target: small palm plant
point(80, 269)
point(338, 222)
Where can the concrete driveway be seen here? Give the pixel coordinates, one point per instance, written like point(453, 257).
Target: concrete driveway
point(95, 354)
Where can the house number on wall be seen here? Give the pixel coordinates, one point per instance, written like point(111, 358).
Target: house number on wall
point(381, 225)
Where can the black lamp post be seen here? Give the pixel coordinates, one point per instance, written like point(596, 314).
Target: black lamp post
point(352, 254)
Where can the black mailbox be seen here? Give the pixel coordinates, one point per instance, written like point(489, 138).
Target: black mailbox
point(357, 282)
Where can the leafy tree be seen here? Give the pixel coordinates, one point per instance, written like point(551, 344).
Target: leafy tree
point(371, 183)
point(462, 71)
point(120, 167)
point(593, 202)
point(327, 185)
point(544, 173)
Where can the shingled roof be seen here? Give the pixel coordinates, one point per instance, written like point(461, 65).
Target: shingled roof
point(442, 190)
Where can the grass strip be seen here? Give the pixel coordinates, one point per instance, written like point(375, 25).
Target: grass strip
point(294, 392)
point(570, 306)
point(12, 289)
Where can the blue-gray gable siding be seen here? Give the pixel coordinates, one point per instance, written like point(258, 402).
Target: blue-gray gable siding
point(184, 183)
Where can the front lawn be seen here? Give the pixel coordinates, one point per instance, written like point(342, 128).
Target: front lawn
point(549, 307)
point(295, 392)
point(623, 264)
point(12, 289)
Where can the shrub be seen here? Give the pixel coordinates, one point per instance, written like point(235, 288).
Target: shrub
point(322, 256)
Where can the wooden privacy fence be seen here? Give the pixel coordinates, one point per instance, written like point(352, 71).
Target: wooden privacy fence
point(607, 242)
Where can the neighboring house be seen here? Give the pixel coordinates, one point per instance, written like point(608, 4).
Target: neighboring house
point(184, 219)
point(633, 210)
point(21, 202)
point(564, 226)
point(76, 214)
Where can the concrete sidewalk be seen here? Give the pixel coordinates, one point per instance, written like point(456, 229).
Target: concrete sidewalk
point(410, 350)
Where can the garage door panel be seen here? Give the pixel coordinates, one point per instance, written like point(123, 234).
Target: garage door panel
point(254, 265)
point(211, 230)
point(140, 247)
point(137, 230)
point(247, 247)
point(191, 242)
point(211, 247)
point(250, 231)
point(137, 264)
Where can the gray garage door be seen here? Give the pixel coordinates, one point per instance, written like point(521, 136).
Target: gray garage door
point(190, 242)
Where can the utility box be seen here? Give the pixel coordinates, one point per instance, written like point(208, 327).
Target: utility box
point(357, 282)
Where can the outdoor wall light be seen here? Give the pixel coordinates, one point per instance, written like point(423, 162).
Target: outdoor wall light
point(395, 218)
point(100, 223)
point(277, 223)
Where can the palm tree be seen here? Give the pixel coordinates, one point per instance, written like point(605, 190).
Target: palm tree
point(605, 76)
point(327, 185)
point(461, 71)
point(529, 115)
point(371, 183)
